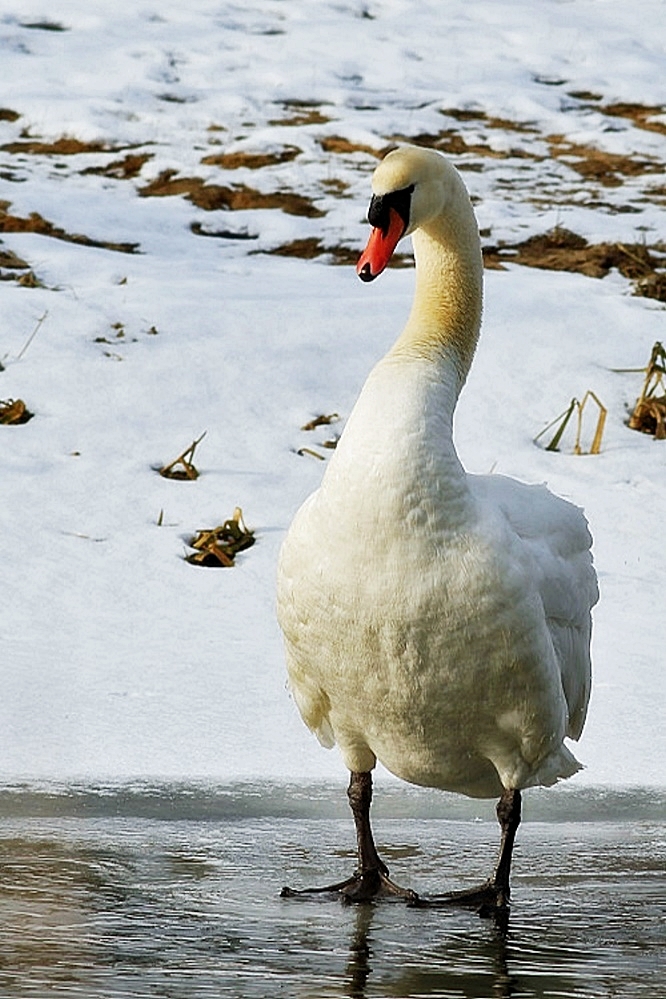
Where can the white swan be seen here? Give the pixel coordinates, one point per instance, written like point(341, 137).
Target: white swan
point(434, 620)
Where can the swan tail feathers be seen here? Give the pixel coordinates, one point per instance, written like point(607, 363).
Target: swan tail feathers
point(314, 706)
point(556, 767)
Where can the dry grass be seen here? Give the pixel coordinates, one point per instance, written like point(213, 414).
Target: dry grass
point(213, 197)
point(36, 223)
point(219, 546)
point(641, 115)
point(649, 413)
point(13, 412)
point(310, 248)
point(182, 468)
point(341, 146)
point(607, 169)
point(561, 250)
point(562, 421)
point(124, 169)
point(65, 146)
point(300, 113)
point(251, 161)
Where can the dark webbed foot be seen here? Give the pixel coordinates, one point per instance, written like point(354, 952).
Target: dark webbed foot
point(358, 888)
point(492, 897)
point(371, 880)
point(487, 900)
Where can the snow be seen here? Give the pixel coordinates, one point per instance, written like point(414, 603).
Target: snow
point(120, 660)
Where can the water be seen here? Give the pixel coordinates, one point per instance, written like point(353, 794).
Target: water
point(175, 893)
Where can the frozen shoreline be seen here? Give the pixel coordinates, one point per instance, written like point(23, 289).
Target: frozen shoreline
point(207, 801)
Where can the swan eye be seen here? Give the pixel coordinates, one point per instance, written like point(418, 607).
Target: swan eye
point(379, 212)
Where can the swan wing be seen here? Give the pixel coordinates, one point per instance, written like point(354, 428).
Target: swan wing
point(555, 534)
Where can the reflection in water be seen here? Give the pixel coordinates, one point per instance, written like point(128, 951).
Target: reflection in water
point(358, 966)
point(92, 908)
point(491, 980)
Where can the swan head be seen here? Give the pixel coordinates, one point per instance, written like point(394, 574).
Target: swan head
point(410, 187)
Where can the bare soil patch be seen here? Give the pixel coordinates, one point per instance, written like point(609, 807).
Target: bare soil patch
point(65, 146)
point(213, 197)
point(251, 161)
point(505, 124)
point(124, 169)
point(561, 250)
point(301, 113)
point(642, 115)
point(311, 248)
point(10, 261)
point(451, 142)
point(36, 223)
point(608, 169)
point(341, 146)
point(6, 114)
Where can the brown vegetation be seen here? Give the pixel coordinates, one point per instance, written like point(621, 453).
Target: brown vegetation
point(36, 223)
point(607, 169)
point(640, 114)
point(561, 250)
point(251, 161)
point(65, 146)
point(649, 414)
point(212, 197)
point(337, 144)
point(219, 546)
point(13, 412)
point(301, 113)
point(123, 169)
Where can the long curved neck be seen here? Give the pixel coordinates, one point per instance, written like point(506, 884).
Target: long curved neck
point(446, 312)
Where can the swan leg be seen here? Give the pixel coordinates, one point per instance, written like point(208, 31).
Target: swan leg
point(371, 879)
point(492, 897)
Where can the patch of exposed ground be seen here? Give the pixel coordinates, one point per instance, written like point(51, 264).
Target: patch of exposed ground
point(10, 261)
point(15, 268)
point(608, 169)
point(311, 248)
point(300, 113)
point(642, 115)
point(64, 146)
point(212, 197)
point(6, 114)
point(337, 144)
point(200, 230)
point(44, 25)
point(505, 124)
point(37, 224)
point(251, 161)
point(124, 169)
point(561, 250)
point(450, 141)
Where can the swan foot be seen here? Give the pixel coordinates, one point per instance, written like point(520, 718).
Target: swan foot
point(360, 887)
point(492, 898)
point(371, 880)
point(487, 900)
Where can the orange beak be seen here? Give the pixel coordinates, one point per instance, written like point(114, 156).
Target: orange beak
point(380, 247)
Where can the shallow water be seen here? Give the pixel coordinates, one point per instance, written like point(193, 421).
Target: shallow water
point(97, 900)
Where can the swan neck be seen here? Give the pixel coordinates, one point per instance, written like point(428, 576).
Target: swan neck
point(446, 312)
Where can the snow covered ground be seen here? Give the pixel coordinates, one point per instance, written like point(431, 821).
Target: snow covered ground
point(118, 659)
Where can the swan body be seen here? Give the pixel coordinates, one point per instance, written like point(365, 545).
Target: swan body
point(434, 620)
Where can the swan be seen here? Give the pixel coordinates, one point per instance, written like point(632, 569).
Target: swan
point(433, 620)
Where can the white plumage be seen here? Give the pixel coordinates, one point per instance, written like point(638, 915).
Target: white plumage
point(435, 620)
